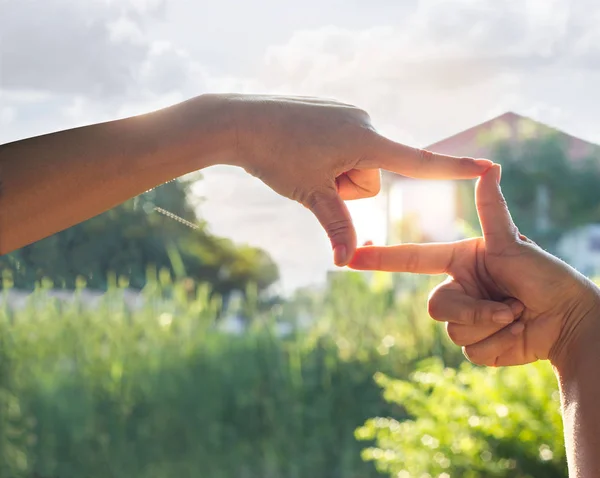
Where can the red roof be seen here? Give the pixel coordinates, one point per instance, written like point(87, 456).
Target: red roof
point(478, 141)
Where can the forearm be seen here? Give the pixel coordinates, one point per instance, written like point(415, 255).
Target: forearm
point(52, 182)
point(579, 379)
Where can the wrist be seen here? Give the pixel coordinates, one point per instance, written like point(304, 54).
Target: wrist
point(210, 131)
point(249, 120)
point(579, 340)
point(186, 137)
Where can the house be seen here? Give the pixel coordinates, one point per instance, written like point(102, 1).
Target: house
point(581, 249)
point(422, 210)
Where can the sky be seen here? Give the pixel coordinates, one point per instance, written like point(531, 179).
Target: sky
point(423, 69)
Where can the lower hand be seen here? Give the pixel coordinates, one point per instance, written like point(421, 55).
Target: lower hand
point(507, 302)
point(321, 152)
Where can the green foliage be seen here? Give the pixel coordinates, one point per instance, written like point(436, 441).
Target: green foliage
point(471, 422)
point(15, 427)
point(369, 319)
point(534, 165)
point(132, 236)
point(161, 391)
point(544, 163)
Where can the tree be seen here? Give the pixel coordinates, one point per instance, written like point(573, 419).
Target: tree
point(133, 236)
point(547, 191)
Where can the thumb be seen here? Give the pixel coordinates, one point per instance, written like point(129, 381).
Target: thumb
point(499, 230)
point(335, 218)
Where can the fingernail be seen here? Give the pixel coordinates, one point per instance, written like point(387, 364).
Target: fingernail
point(499, 173)
point(503, 316)
point(517, 307)
point(517, 328)
point(340, 255)
point(484, 163)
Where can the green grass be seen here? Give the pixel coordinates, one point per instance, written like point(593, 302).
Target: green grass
point(161, 392)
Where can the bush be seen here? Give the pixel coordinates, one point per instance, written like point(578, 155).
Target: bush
point(471, 422)
point(161, 391)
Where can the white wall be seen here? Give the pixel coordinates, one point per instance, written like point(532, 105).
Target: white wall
point(581, 249)
point(433, 203)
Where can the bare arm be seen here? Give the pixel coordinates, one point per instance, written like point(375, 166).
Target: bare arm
point(579, 379)
point(317, 152)
point(52, 182)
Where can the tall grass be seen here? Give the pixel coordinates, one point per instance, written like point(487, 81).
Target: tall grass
point(162, 392)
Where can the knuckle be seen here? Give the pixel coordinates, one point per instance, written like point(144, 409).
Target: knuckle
point(425, 157)
point(338, 228)
point(463, 163)
point(468, 316)
point(311, 199)
point(412, 261)
point(362, 114)
point(479, 315)
point(298, 194)
point(525, 240)
point(494, 203)
point(365, 138)
point(375, 259)
point(428, 158)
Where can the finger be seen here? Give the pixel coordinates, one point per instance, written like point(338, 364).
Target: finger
point(497, 349)
point(462, 334)
point(335, 218)
point(499, 230)
point(419, 163)
point(449, 303)
point(469, 319)
point(433, 258)
point(359, 184)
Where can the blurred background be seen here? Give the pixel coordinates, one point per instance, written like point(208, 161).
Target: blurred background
point(133, 345)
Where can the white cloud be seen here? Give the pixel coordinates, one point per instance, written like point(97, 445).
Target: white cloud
point(7, 115)
point(98, 49)
point(139, 6)
point(125, 30)
point(460, 59)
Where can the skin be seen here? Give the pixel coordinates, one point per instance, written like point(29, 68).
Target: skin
point(314, 151)
point(508, 302)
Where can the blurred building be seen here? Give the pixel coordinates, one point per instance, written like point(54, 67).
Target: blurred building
point(420, 210)
point(581, 248)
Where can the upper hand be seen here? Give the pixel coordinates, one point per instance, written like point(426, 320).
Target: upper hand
point(506, 301)
point(321, 152)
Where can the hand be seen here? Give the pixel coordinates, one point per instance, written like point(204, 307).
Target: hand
point(321, 153)
point(506, 301)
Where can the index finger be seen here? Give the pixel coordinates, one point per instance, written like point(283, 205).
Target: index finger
point(420, 163)
point(433, 258)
